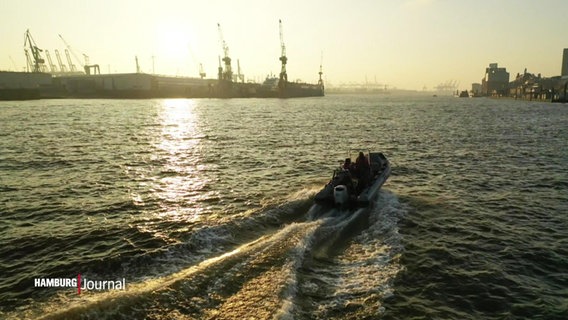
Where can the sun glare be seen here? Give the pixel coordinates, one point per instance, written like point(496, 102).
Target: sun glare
point(179, 149)
point(172, 44)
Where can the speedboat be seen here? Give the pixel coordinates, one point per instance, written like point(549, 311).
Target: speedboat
point(349, 188)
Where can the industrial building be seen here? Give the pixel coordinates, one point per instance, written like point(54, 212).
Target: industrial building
point(476, 89)
point(135, 85)
point(564, 73)
point(496, 81)
point(23, 85)
point(24, 80)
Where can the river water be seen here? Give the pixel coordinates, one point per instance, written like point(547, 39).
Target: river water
point(203, 207)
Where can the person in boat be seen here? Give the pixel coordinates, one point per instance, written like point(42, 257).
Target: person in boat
point(363, 170)
point(347, 175)
point(347, 165)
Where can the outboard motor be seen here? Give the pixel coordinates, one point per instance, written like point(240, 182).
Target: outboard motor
point(340, 195)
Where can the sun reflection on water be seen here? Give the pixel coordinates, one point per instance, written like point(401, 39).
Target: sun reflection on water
point(181, 178)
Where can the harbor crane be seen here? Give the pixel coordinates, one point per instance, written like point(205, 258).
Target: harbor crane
point(96, 69)
point(240, 76)
point(86, 66)
point(201, 71)
point(449, 86)
point(72, 67)
point(67, 51)
point(320, 81)
point(29, 63)
point(283, 58)
point(52, 66)
point(228, 73)
point(137, 65)
point(220, 70)
point(38, 64)
point(62, 66)
point(13, 63)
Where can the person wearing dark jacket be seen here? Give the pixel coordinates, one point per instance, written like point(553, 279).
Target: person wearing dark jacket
point(363, 169)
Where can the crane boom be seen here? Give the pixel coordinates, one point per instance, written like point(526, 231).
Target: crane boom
point(72, 52)
point(282, 46)
point(13, 63)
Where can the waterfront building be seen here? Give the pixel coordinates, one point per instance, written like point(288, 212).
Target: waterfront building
point(496, 81)
point(528, 86)
point(476, 89)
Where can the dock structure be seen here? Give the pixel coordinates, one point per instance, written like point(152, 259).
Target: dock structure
point(67, 81)
point(135, 85)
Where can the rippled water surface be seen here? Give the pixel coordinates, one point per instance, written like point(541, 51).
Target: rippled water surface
point(204, 207)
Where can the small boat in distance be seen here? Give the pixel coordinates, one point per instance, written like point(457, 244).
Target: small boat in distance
point(464, 94)
point(349, 186)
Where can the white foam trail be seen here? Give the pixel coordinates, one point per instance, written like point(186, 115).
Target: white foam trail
point(374, 252)
point(362, 275)
point(270, 267)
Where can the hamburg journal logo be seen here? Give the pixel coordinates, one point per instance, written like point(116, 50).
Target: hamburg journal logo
point(80, 283)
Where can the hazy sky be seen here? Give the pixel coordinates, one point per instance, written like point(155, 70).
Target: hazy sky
point(403, 43)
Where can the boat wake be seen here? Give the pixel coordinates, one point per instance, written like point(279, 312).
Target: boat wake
point(340, 265)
